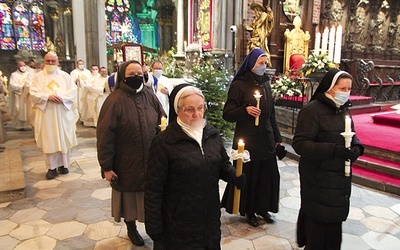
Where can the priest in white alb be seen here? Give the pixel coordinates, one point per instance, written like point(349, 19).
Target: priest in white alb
point(54, 95)
point(20, 104)
point(80, 76)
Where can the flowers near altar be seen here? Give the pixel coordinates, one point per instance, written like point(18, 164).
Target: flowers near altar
point(283, 85)
point(317, 63)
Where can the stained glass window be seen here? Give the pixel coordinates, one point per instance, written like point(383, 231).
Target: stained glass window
point(7, 40)
point(37, 27)
point(22, 25)
point(119, 22)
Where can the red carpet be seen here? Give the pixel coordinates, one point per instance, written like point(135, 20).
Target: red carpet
point(376, 135)
point(383, 178)
point(389, 119)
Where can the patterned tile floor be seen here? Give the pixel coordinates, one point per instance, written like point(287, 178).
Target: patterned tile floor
point(73, 211)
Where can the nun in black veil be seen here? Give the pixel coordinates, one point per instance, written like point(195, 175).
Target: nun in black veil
point(325, 189)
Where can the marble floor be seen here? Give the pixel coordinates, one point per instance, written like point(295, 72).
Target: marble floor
point(73, 211)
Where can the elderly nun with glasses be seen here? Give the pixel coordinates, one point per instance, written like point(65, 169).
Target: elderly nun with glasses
point(186, 162)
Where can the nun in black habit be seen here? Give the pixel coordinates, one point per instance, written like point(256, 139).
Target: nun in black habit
point(325, 189)
point(261, 192)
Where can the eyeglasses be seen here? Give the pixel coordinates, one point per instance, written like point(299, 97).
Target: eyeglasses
point(192, 110)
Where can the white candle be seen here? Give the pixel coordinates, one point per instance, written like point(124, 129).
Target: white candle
point(338, 45)
point(184, 46)
point(347, 125)
point(317, 43)
point(257, 96)
point(331, 43)
point(325, 35)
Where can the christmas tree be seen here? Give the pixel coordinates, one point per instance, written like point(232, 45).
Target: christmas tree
point(212, 78)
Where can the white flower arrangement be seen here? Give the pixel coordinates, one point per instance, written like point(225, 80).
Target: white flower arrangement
point(283, 85)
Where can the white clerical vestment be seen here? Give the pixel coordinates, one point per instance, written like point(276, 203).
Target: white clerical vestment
point(20, 104)
point(92, 98)
point(163, 82)
point(55, 124)
point(80, 78)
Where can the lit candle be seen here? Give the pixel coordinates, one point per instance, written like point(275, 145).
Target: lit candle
point(338, 44)
point(239, 170)
point(347, 125)
point(317, 43)
point(331, 43)
point(257, 96)
point(163, 123)
point(325, 35)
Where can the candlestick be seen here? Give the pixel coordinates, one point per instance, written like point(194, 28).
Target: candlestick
point(325, 35)
point(348, 135)
point(317, 43)
point(239, 170)
point(257, 96)
point(331, 43)
point(338, 44)
point(163, 124)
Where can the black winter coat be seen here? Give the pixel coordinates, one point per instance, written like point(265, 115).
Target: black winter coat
point(260, 140)
point(181, 193)
point(325, 190)
point(127, 124)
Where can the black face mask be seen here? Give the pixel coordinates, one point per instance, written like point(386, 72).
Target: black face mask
point(134, 81)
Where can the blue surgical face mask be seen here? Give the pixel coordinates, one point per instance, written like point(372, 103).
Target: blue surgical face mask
point(341, 97)
point(259, 70)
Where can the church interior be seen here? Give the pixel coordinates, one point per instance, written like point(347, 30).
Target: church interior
point(361, 37)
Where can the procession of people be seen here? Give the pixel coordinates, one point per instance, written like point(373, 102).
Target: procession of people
point(165, 178)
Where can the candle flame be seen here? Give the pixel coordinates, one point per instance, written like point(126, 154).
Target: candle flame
point(241, 141)
point(257, 93)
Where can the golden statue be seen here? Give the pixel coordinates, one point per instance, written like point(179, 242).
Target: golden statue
point(296, 43)
point(260, 29)
point(49, 47)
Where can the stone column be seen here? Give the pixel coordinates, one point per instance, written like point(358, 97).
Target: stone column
point(79, 29)
point(180, 28)
point(218, 23)
point(102, 33)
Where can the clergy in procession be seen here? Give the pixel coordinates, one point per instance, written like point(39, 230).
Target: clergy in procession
point(54, 96)
point(92, 89)
point(160, 84)
point(20, 104)
point(80, 75)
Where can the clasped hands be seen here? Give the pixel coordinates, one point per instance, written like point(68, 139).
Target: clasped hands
point(347, 154)
point(55, 99)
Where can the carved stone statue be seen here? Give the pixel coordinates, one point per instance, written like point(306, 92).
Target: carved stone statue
point(60, 46)
point(337, 11)
point(296, 42)
point(261, 28)
point(377, 26)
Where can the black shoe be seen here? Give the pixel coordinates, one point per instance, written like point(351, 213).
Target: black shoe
point(51, 174)
point(133, 234)
point(267, 217)
point(252, 220)
point(63, 170)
